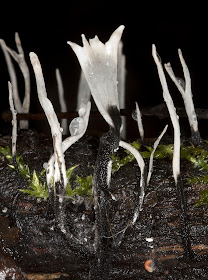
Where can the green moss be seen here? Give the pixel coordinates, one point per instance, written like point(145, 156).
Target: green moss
point(36, 188)
point(6, 152)
point(203, 200)
point(84, 186)
point(198, 156)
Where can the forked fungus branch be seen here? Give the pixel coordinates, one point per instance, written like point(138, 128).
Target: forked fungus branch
point(187, 97)
point(21, 107)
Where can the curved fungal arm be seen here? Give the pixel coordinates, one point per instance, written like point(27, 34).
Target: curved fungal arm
point(21, 107)
point(186, 93)
point(58, 170)
point(12, 75)
point(78, 127)
point(172, 111)
point(140, 161)
point(152, 154)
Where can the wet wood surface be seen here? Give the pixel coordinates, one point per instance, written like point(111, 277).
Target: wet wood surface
point(38, 251)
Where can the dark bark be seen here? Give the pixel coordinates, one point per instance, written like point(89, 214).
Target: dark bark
point(185, 234)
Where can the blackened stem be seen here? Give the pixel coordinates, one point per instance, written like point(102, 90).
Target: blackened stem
point(100, 268)
point(195, 137)
point(185, 235)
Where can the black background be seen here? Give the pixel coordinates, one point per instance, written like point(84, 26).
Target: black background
point(46, 29)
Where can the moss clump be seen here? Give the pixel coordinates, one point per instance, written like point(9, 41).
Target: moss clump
point(36, 187)
point(198, 156)
point(203, 200)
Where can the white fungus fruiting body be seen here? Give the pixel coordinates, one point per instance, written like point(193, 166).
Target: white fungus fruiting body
point(57, 169)
point(172, 111)
point(185, 90)
point(21, 107)
point(99, 64)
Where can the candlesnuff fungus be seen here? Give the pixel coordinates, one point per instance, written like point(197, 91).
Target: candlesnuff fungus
point(21, 107)
point(188, 253)
point(58, 169)
point(172, 111)
point(77, 129)
point(99, 65)
point(185, 90)
point(121, 85)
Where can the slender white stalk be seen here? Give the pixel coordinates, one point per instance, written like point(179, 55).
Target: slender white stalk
point(152, 154)
point(19, 57)
point(83, 91)
point(14, 121)
point(186, 93)
point(187, 96)
point(22, 107)
point(81, 124)
point(141, 164)
point(121, 85)
point(61, 101)
point(172, 111)
point(12, 75)
point(139, 122)
point(59, 169)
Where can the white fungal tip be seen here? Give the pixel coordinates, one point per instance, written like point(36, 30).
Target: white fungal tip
point(149, 239)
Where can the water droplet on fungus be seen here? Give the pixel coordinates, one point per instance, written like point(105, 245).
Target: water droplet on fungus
point(76, 126)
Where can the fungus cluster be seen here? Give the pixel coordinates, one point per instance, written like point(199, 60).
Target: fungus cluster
point(103, 77)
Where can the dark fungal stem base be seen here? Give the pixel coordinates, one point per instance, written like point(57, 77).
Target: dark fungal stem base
point(185, 234)
point(101, 266)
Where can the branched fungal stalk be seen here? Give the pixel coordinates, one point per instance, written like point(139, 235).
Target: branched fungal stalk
point(172, 111)
point(77, 129)
point(99, 64)
point(21, 107)
point(56, 169)
point(188, 253)
point(187, 97)
point(59, 169)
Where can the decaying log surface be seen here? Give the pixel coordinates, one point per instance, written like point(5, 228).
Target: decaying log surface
point(46, 276)
point(27, 227)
